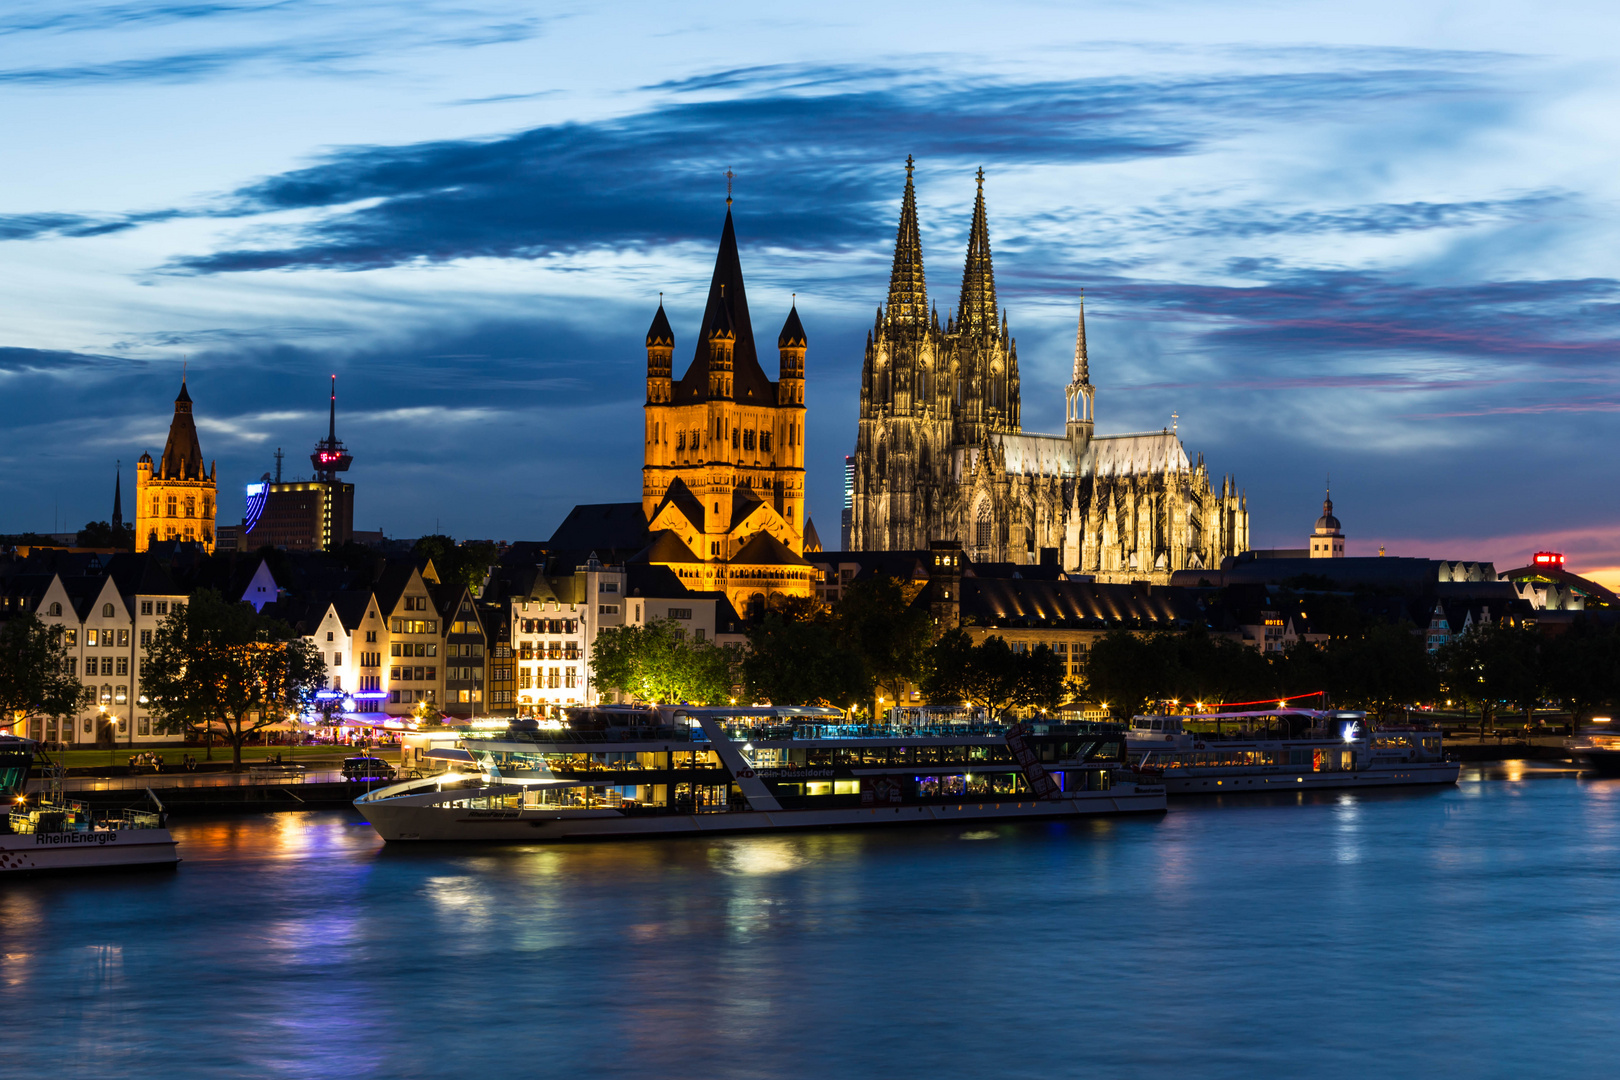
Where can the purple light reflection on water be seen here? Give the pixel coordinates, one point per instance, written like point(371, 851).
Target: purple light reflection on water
point(1460, 932)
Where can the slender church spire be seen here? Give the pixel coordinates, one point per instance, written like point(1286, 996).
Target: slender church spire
point(1082, 364)
point(118, 497)
point(908, 291)
point(976, 313)
point(1080, 397)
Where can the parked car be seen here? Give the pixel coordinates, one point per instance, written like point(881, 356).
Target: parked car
point(367, 768)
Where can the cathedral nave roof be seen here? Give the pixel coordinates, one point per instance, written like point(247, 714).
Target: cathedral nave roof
point(1037, 455)
point(1139, 454)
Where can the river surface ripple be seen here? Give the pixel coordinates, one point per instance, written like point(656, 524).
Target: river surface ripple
point(1467, 932)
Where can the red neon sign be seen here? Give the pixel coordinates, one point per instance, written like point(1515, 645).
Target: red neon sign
point(1549, 558)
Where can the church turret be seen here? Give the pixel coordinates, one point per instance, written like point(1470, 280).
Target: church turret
point(175, 495)
point(791, 345)
point(1080, 395)
point(660, 356)
point(1327, 539)
point(118, 499)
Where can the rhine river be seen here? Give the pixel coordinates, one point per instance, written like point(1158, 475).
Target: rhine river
point(1472, 931)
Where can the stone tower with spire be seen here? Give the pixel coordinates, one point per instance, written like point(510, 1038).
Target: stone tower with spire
point(723, 464)
point(175, 497)
point(941, 454)
point(906, 417)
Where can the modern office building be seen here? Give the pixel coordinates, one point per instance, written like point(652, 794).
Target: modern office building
point(304, 515)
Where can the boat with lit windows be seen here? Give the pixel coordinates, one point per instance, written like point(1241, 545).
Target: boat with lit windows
point(49, 834)
point(683, 770)
point(1285, 749)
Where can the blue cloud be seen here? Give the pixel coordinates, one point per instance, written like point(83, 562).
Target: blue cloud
point(817, 168)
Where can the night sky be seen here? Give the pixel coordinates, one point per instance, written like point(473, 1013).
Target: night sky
point(1375, 241)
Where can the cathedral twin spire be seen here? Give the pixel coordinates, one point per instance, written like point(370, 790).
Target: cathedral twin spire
point(908, 292)
point(976, 313)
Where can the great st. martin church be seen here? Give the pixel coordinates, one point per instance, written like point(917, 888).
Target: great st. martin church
point(941, 454)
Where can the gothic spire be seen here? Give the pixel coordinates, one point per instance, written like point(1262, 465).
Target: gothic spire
point(908, 292)
point(977, 311)
point(118, 497)
point(1082, 364)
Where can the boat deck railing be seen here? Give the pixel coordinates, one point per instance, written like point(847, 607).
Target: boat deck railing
point(74, 817)
point(795, 732)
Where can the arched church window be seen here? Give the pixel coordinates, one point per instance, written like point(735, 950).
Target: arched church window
point(982, 534)
point(882, 458)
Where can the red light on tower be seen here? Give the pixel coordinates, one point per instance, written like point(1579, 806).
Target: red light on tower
point(1549, 558)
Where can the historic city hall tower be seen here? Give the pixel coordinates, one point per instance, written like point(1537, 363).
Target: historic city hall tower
point(723, 472)
point(175, 497)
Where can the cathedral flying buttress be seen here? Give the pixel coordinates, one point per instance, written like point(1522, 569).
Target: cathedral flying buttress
point(940, 453)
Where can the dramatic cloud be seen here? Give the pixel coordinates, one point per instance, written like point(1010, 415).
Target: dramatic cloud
point(817, 163)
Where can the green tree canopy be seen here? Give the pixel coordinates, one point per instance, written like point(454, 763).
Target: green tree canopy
point(891, 637)
point(217, 666)
point(34, 672)
point(992, 676)
point(798, 655)
point(1481, 666)
point(466, 563)
point(1582, 668)
point(657, 663)
point(99, 534)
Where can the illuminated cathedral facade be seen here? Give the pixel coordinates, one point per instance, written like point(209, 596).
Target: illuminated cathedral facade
point(941, 453)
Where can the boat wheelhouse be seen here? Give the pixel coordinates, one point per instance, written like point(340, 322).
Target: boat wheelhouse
point(672, 770)
point(1285, 749)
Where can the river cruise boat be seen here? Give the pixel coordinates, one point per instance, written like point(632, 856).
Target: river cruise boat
point(682, 770)
point(1284, 749)
point(50, 834)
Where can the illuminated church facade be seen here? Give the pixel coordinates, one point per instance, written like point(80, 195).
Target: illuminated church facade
point(723, 467)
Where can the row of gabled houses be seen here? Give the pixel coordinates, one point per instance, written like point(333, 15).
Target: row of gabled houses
point(399, 642)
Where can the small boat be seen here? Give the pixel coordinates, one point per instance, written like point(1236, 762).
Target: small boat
point(1285, 750)
point(682, 770)
point(1601, 752)
point(50, 834)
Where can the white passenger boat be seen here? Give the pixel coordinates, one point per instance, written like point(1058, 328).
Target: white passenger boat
point(49, 834)
point(674, 771)
point(1285, 749)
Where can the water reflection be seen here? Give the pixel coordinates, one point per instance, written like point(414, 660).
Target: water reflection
point(297, 946)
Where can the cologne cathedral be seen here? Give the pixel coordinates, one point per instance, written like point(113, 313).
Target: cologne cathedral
point(941, 453)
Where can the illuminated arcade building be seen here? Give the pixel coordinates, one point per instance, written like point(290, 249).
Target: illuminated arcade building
point(174, 496)
point(304, 515)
